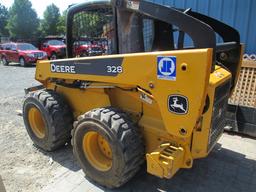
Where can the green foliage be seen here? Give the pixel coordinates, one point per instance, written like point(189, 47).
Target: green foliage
point(61, 27)
point(51, 21)
point(3, 20)
point(23, 21)
point(89, 24)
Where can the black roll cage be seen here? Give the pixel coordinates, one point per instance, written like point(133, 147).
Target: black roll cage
point(199, 27)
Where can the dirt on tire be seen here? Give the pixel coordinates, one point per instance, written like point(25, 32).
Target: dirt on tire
point(122, 135)
point(57, 116)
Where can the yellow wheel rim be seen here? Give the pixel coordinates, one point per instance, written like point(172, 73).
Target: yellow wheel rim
point(97, 150)
point(36, 122)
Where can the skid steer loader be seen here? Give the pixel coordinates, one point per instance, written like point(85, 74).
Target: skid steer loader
point(157, 93)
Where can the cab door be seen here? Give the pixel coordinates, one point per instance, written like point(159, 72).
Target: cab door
point(14, 54)
point(7, 51)
point(45, 47)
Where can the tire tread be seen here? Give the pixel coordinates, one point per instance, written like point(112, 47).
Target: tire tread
point(59, 114)
point(128, 136)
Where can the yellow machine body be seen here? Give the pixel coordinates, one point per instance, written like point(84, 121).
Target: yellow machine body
point(172, 141)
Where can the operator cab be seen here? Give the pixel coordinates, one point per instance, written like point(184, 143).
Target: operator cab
point(140, 33)
point(141, 26)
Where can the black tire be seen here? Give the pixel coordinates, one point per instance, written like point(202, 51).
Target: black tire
point(22, 62)
point(53, 56)
point(124, 139)
point(84, 54)
point(56, 116)
point(4, 61)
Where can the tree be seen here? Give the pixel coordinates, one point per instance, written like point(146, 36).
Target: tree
point(90, 24)
point(61, 28)
point(23, 22)
point(49, 25)
point(3, 20)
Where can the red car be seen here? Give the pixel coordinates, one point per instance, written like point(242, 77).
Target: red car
point(23, 53)
point(87, 48)
point(54, 48)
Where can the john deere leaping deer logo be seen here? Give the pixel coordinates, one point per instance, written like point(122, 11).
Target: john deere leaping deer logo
point(178, 104)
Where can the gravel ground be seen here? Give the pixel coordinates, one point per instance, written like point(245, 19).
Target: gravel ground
point(22, 166)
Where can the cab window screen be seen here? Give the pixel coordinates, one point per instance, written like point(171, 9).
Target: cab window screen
point(93, 32)
point(148, 34)
point(160, 36)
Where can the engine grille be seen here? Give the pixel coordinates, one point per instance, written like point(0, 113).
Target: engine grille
point(218, 113)
point(96, 49)
point(38, 55)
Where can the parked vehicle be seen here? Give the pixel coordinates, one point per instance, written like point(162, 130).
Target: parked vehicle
point(104, 44)
point(85, 48)
point(23, 53)
point(54, 48)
